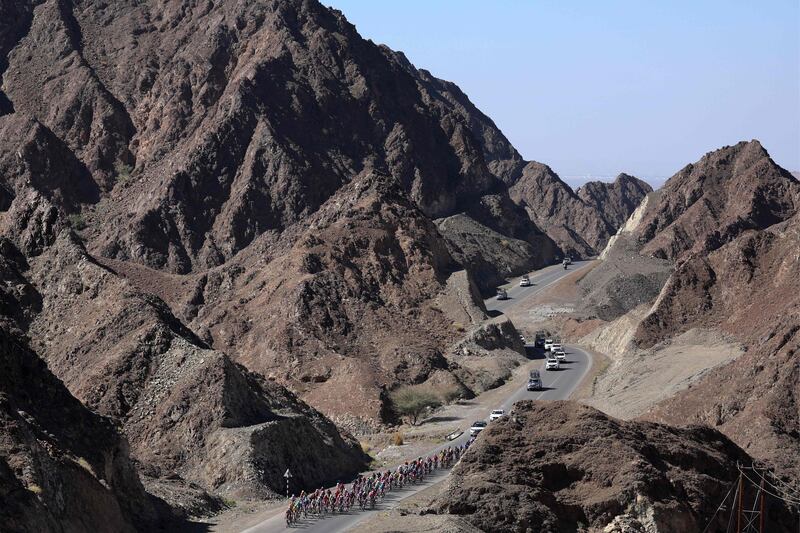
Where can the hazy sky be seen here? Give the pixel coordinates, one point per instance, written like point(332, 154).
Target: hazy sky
point(600, 87)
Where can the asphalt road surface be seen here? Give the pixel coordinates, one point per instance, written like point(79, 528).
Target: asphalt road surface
point(557, 385)
point(539, 281)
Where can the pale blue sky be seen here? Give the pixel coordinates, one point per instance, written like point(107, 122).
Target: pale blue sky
point(600, 87)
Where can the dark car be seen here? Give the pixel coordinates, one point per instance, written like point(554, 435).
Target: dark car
point(534, 381)
point(477, 427)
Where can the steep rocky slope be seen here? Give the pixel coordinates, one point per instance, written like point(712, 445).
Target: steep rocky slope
point(580, 223)
point(561, 466)
point(729, 193)
point(718, 221)
point(190, 413)
point(705, 205)
point(749, 289)
point(206, 141)
point(62, 467)
point(211, 126)
point(725, 233)
point(188, 188)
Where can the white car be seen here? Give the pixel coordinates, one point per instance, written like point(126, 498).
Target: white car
point(556, 346)
point(497, 413)
point(525, 281)
point(561, 355)
point(548, 343)
point(477, 427)
point(552, 364)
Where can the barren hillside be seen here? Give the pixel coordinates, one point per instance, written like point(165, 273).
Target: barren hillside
point(203, 204)
point(581, 222)
point(716, 250)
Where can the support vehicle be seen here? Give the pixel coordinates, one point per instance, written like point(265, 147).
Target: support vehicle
point(497, 413)
point(548, 343)
point(502, 294)
point(561, 355)
point(525, 281)
point(539, 343)
point(534, 381)
point(477, 427)
point(552, 364)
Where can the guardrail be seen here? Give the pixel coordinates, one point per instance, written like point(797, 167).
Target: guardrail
point(454, 435)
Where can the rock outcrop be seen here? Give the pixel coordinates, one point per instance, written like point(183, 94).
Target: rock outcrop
point(615, 201)
point(727, 193)
point(561, 466)
point(580, 223)
point(62, 467)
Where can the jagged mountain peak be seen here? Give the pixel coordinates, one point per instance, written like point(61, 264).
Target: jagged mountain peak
point(581, 222)
point(712, 201)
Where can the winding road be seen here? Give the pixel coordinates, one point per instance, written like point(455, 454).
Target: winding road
point(557, 385)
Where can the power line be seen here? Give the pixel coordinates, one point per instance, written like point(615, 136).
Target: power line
point(720, 507)
point(782, 497)
point(737, 484)
point(784, 484)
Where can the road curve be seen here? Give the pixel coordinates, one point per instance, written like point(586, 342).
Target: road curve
point(557, 385)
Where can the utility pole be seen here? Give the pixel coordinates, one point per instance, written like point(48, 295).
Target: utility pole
point(739, 505)
point(761, 514)
point(288, 476)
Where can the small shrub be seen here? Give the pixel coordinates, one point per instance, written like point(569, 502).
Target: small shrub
point(230, 504)
point(123, 172)
point(34, 488)
point(459, 327)
point(76, 221)
point(397, 439)
point(505, 243)
point(365, 447)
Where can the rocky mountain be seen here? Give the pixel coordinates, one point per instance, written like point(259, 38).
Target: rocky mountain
point(581, 222)
point(62, 467)
point(204, 204)
point(708, 204)
point(615, 201)
point(226, 225)
point(721, 242)
point(190, 413)
point(561, 466)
